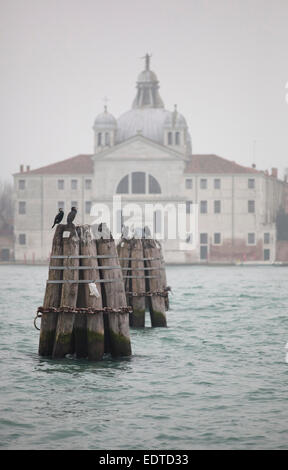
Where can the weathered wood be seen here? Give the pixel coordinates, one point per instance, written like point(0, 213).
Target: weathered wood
point(156, 303)
point(114, 296)
point(163, 277)
point(52, 297)
point(89, 330)
point(124, 252)
point(64, 332)
point(137, 318)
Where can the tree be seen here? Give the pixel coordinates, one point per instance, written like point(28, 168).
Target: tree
point(6, 208)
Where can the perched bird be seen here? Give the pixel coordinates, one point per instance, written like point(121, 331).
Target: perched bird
point(71, 216)
point(58, 217)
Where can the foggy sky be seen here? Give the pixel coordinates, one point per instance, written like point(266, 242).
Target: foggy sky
point(223, 62)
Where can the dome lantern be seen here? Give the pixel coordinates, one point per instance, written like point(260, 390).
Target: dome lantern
point(147, 89)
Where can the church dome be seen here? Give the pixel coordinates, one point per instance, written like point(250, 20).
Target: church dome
point(105, 120)
point(148, 122)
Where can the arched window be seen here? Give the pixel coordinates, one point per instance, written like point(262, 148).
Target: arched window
point(123, 186)
point(170, 141)
point(154, 186)
point(177, 138)
point(138, 182)
point(99, 138)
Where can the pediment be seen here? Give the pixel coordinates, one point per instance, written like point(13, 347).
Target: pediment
point(139, 148)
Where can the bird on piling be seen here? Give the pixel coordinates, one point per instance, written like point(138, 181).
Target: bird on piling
point(71, 216)
point(58, 217)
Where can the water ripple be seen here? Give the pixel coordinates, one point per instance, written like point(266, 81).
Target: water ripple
point(216, 378)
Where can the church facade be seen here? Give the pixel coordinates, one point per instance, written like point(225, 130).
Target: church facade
point(144, 160)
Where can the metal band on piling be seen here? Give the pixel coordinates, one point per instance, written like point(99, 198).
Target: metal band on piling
point(82, 281)
point(80, 310)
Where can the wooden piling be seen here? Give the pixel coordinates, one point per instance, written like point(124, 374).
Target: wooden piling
point(64, 332)
point(156, 302)
point(124, 253)
point(163, 277)
point(137, 317)
point(52, 296)
point(115, 297)
point(89, 330)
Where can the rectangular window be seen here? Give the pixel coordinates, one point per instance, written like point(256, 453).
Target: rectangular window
point(189, 207)
point(22, 207)
point(203, 183)
point(251, 207)
point(251, 238)
point(74, 204)
point(177, 138)
point(217, 207)
point(157, 221)
point(119, 220)
point(217, 238)
point(204, 238)
point(251, 183)
point(74, 184)
point(266, 254)
point(138, 182)
point(203, 207)
point(217, 183)
point(22, 239)
point(188, 183)
point(88, 205)
point(170, 142)
point(203, 252)
point(88, 184)
point(61, 205)
point(107, 138)
point(266, 238)
point(22, 184)
point(60, 184)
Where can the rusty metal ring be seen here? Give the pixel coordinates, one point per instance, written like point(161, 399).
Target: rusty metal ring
point(35, 319)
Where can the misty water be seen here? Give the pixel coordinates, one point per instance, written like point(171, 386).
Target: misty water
point(216, 378)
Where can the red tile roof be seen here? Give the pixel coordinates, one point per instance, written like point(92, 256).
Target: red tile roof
point(214, 164)
point(81, 164)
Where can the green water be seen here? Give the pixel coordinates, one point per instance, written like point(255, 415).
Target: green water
point(216, 378)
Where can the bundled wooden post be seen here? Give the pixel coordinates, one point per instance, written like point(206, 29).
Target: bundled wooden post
point(52, 296)
point(124, 253)
point(163, 277)
point(85, 300)
point(64, 333)
point(137, 317)
point(155, 283)
point(115, 297)
point(89, 329)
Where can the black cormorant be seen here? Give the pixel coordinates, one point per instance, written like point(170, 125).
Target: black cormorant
point(58, 217)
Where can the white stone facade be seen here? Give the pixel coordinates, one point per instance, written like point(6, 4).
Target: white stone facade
point(237, 205)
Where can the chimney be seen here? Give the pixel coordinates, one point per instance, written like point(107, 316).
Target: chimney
point(28, 168)
point(21, 168)
point(274, 172)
